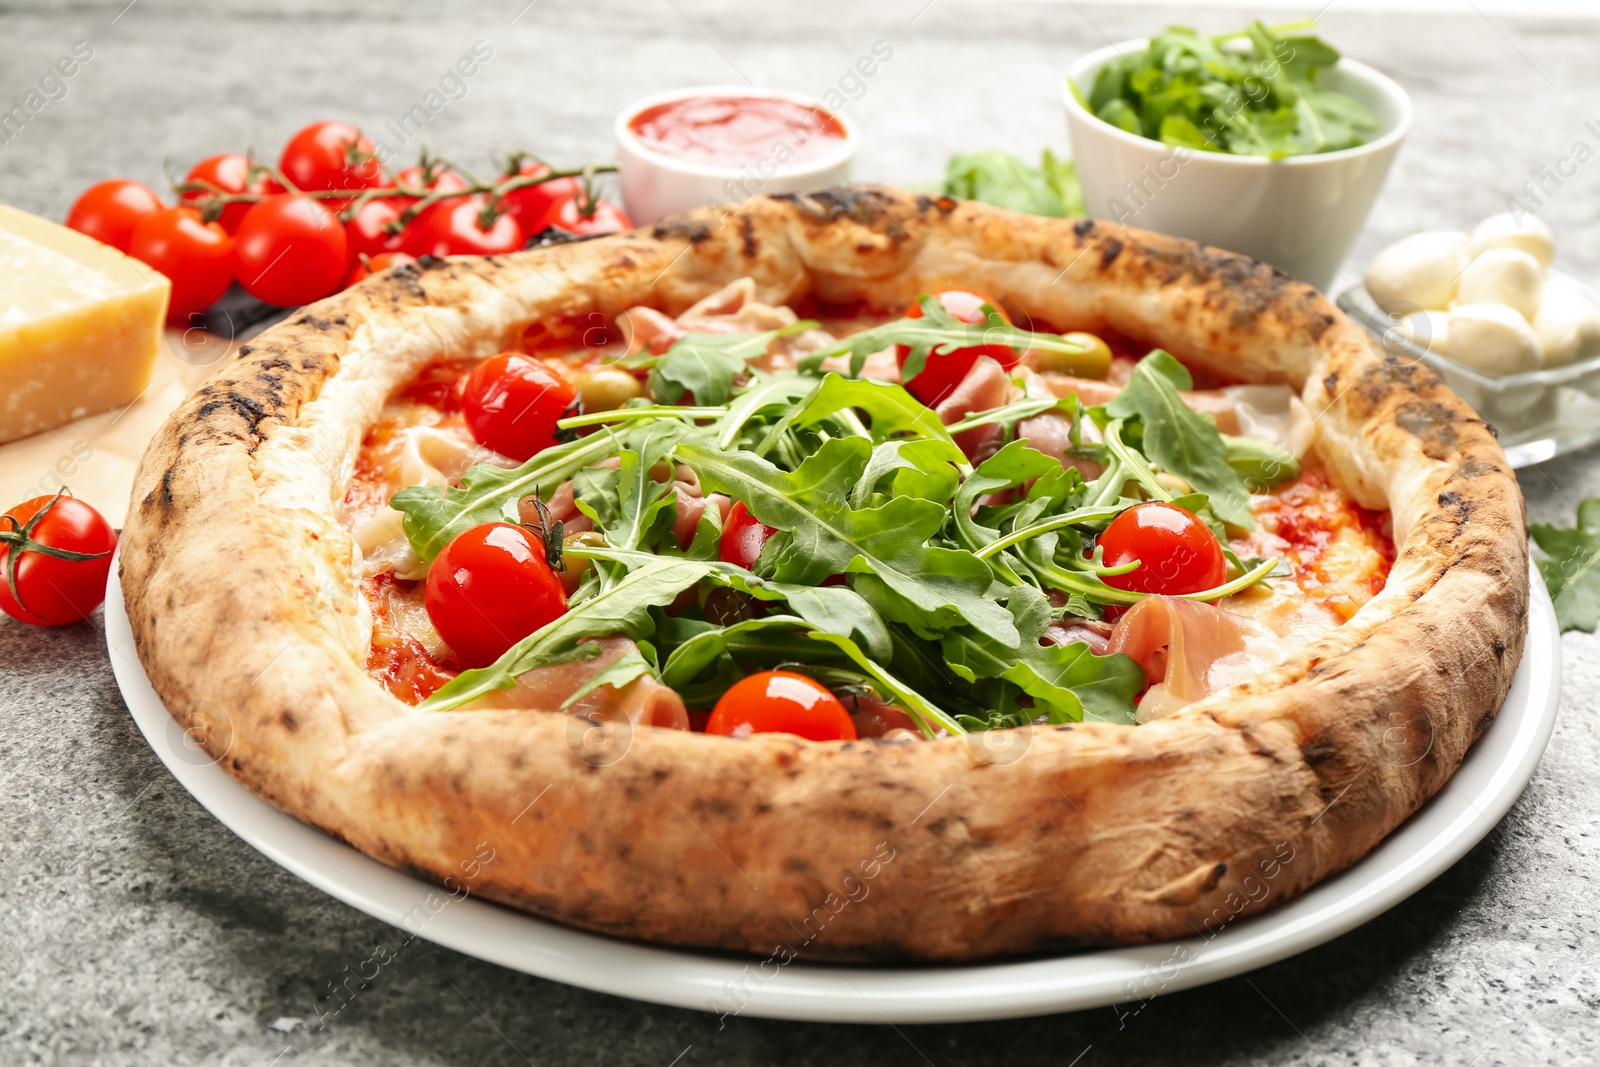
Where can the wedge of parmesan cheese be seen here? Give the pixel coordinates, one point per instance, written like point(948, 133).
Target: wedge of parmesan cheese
point(80, 325)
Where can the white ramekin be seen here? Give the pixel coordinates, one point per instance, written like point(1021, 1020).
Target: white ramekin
point(656, 185)
point(1301, 214)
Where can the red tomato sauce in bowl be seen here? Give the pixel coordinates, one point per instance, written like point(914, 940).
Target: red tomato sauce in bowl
point(733, 131)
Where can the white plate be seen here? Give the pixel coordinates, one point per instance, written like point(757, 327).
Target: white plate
point(1479, 794)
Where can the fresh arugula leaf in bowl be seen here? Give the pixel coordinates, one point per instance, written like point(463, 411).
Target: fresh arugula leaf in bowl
point(1252, 93)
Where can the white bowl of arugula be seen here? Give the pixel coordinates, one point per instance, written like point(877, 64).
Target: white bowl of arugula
point(1265, 142)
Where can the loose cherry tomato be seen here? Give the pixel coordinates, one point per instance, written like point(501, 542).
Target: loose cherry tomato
point(291, 250)
point(108, 211)
point(431, 176)
point(573, 216)
point(512, 402)
point(942, 373)
point(332, 156)
point(63, 555)
point(742, 537)
point(197, 257)
point(229, 172)
point(781, 702)
point(451, 228)
point(368, 228)
point(534, 206)
point(1177, 553)
point(490, 588)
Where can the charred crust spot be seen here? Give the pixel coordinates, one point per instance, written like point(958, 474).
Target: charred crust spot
point(1083, 228)
point(246, 408)
point(1109, 252)
point(865, 206)
point(551, 236)
point(747, 237)
point(1213, 878)
point(1499, 649)
point(797, 865)
point(289, 722)
point(945, 204)
point(1319, 324)
point(430, 263)
point(1317, 751)
point(162, 496)
point(721, 807)
point(693, 232)
point(1330, 384)
point(1451, 499)
point(1431, 423)
point(314, 322)
point(245, 350)
point(1484, 723)
point(865, 248)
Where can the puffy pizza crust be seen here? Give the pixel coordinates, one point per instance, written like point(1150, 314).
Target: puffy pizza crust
point(240, 587)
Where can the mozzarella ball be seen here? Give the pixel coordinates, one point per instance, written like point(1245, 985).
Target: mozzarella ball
point(1428, 330)
point(1525, 233)
point(1493, 339)
point(1419, 271)
point(1568, 324)
point(1503, 276)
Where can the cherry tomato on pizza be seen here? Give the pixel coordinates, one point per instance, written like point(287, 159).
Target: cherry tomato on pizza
point(108, 211)
point(456, 228)
point(743, 536)
point(196, 256)
point(512, 403)
point(575, 216)
point(489, 588)
point(229, 173)
point(291, 250)
point(781, 702)
point(55, 555)
point(327, 156)
point(943, 372)
point(1177, 553)
point(534, 206)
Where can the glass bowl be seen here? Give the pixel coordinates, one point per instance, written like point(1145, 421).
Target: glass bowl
point(1538, 415)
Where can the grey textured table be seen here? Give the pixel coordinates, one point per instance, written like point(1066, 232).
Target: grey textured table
point(136, 929)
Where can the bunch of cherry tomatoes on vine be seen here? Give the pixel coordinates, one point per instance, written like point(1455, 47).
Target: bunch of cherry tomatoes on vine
point(328, 215)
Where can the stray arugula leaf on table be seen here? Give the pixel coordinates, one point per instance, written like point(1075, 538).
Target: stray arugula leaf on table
point(1571, 569)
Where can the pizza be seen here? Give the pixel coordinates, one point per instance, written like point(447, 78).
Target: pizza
point(854, 575)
